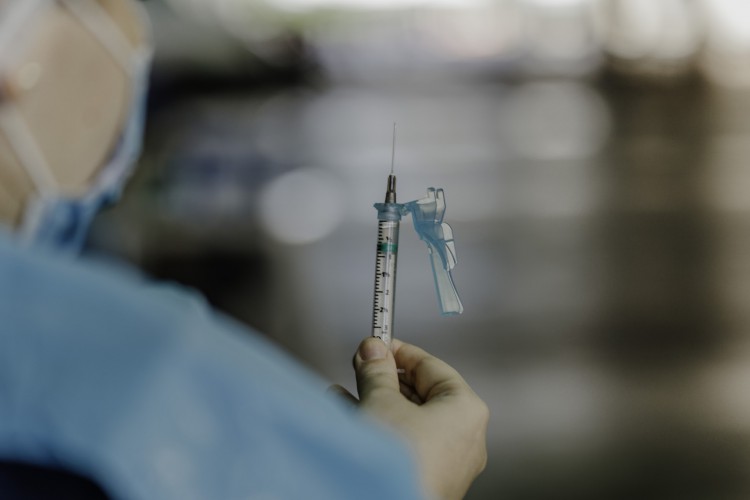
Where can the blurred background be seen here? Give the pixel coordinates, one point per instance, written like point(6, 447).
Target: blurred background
point(594, 155)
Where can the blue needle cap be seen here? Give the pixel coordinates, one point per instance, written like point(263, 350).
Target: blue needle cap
point(427, 214)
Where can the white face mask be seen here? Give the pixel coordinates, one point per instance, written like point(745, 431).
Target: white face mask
point(52, 218)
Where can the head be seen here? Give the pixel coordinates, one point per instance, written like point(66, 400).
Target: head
point(72, 80)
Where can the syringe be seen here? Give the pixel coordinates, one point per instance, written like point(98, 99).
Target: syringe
point(427, 214)
point(389, 219)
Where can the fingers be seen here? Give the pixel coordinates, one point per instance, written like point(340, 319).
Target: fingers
point(409, 394)
point(430, 377)
point(375, 369)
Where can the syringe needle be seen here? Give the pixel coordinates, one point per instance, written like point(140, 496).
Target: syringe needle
point(390, 192)
point(393, 149)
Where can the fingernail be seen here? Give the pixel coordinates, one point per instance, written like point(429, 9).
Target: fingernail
point(373, 348)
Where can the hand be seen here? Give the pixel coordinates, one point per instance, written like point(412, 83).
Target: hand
point(431, 406)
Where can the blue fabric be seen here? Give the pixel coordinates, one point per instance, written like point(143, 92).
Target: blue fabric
point(147, 391)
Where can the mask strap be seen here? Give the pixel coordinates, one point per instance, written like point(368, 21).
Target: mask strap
point(13, 19)
point(99, 23)
point(19, 137)
point(26, 149)
point(95, 20)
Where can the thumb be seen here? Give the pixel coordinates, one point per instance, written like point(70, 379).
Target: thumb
point(375, 368)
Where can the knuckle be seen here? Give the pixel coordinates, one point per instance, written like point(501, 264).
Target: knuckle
point(421, 366)
point(479, 409)
point(372, 366)
point(377, 368)
point(374, 375)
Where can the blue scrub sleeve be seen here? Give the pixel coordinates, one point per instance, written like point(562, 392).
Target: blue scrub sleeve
point(145, 389)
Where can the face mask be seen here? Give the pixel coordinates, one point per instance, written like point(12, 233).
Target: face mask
point(53, 219)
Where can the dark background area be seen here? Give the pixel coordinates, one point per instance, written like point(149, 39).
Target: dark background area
point(594, 157)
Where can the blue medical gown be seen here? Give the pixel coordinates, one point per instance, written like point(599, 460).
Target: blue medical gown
point(153, 395)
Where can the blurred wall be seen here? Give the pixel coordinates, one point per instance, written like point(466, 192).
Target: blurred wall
point(594, 158)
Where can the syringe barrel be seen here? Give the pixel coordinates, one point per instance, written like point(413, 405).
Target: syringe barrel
point(389, 217)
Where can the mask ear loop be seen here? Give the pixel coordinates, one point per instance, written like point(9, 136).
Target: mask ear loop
point(22, 142)
point(12, 125)
point(12, 20)
point(20, 139)
point(98, 22)
point(131, 59)
point(26, 150)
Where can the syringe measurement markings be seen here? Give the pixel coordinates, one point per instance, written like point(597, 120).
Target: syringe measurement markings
point(385, 267)
point(378, 290)
point(379, 258)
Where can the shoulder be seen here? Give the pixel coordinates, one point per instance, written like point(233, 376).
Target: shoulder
point(145, 388)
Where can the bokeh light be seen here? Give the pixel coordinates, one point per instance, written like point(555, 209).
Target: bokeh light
point(302, 207)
